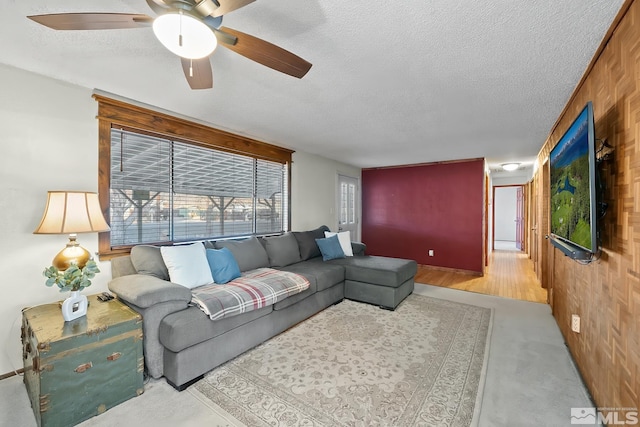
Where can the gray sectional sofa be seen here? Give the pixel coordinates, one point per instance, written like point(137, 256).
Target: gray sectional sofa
point(181, 343)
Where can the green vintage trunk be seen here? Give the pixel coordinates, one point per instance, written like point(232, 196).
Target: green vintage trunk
point(75, 370)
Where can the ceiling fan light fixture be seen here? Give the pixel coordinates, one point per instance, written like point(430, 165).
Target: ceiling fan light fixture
point(510, 166)
point(184, 35)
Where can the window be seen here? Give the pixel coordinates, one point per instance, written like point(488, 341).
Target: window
point(162, 188)
point(347, 204)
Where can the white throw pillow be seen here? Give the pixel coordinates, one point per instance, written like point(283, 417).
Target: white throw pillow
point(187, 265)
point(344, 237)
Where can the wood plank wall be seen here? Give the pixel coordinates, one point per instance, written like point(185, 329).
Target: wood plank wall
point(606, 293)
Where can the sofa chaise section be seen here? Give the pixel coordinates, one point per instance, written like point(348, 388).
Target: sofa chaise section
point(382, 281)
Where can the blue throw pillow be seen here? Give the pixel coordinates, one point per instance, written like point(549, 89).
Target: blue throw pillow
point(224, 267)
point(330, 248)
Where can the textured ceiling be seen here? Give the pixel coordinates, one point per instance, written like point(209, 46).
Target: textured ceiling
point(395, 83)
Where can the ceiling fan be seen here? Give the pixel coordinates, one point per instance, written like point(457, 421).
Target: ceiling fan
point(191, 29)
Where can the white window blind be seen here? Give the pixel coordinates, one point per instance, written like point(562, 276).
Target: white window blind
point(270, 191)
point(171, 191)
point(140, 189)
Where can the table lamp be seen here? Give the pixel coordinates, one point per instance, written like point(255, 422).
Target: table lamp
point(72, 212)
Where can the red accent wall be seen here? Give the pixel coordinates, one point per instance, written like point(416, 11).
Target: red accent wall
point(408, 210)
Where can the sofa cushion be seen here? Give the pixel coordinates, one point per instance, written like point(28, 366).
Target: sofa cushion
point(307, 242)
point(122, 266)
point(248, 253)
point(191, 326)
point(282, 250)
point(330, 248)
point(378, 270)
point(223, 265)
point(187, 264)
point(144, 290)
point(289, 301)
point(148, 260)
point(324, 275)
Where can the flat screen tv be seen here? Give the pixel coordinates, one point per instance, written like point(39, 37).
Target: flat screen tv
point(573, 189)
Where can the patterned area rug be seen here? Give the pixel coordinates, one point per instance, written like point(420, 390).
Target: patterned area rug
point(354, 364)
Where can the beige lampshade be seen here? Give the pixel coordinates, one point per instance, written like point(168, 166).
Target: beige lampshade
point(71, 212)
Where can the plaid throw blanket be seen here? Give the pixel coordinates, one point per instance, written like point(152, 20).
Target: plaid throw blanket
point(255, 289)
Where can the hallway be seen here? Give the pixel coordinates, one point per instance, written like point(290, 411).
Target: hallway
point(510, 274)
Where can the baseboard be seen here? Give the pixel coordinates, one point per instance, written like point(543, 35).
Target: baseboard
point(11, 374)
point(576, 369)
point(452, 270)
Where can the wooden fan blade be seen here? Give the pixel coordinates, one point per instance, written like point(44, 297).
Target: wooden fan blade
point(198, 72)
point(267, 54)
point(92, 21)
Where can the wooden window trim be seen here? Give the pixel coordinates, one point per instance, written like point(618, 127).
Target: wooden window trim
point(118, 114)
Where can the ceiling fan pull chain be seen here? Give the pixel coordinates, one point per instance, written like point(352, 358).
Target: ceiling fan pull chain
point(180, 34)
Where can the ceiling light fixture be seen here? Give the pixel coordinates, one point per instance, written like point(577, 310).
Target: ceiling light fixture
point(184, 35)
point(510, 166)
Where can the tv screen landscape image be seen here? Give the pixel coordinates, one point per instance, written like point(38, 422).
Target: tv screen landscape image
point(572, 168)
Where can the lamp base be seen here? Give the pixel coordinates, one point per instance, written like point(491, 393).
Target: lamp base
point(72, 253)
point(75, 306)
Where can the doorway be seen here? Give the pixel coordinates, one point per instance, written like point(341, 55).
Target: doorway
point(508, 218)
point(348, 205)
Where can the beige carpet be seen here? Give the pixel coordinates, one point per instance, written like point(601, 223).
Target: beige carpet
point(357, 365)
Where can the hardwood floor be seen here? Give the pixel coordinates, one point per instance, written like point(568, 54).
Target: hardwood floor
point(510, 274)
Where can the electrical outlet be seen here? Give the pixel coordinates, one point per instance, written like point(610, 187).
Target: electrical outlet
point(430, 252)
point(575, 323)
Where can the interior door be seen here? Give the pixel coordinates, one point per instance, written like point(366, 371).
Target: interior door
point(520, 218)
point(348, 205)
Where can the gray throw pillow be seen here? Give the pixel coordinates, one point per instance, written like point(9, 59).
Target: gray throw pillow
point(248, 253)
point(148, 260)
point(318, 233)
point(282, 250)
point(307, 242)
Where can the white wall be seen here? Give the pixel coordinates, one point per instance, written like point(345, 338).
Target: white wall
point(518, 177)
point(314, 190)
point(511, 180)
point(50, 142)
point(505, 204)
